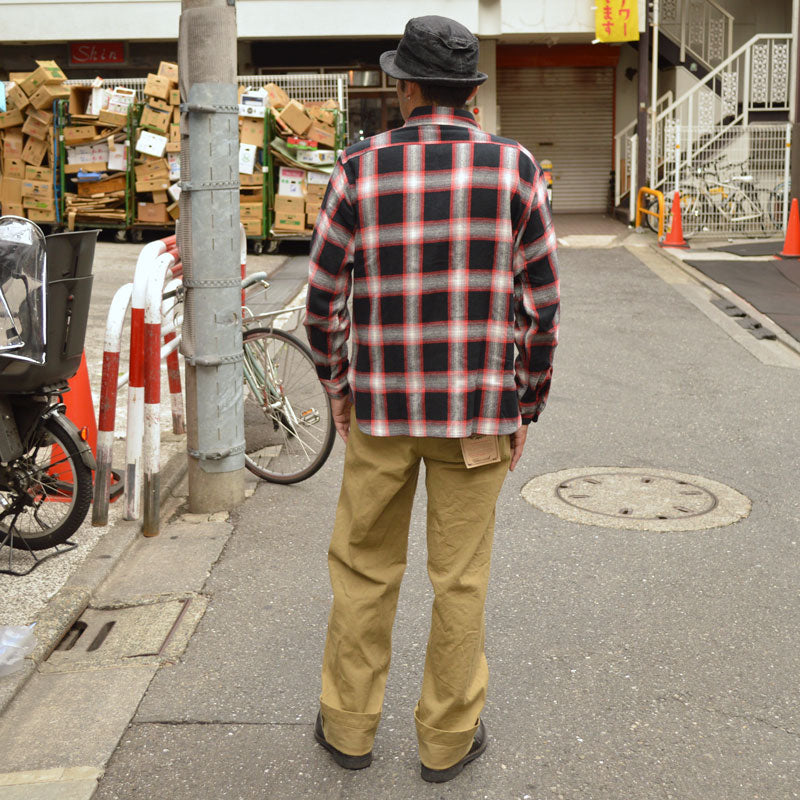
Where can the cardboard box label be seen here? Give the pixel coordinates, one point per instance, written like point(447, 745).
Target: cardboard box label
point(37, 188)
point(316, 157)
point(38, 174)
point(250, 210)
point(290, 222)
point(247, 158)
point(88, 153)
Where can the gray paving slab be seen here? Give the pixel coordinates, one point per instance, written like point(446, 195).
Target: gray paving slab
point(72, 719)
point(150, 567)
point(625, 664)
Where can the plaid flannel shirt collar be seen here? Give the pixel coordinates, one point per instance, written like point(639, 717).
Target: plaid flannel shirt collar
point(439, 115)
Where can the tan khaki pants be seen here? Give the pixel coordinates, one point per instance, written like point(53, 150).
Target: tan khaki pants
point(367, 559)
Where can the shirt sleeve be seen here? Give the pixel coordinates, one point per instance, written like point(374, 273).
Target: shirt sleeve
point(330, 278)
point(536, 294)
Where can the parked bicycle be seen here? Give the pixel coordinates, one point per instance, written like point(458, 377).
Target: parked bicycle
point(288, 423)
point(45, 464)
point(723, 197)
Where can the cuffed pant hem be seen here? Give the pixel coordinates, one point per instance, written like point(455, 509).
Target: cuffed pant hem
point(441, 749)
point(349, 732)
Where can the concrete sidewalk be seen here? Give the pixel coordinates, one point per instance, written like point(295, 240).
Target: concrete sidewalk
point(627, 662)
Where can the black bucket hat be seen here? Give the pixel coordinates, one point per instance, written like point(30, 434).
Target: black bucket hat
point(435, 50)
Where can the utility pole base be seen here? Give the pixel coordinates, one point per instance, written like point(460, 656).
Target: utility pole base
point(214, 491)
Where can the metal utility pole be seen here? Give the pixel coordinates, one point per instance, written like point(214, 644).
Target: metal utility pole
point(644, 101)
point(654, 92)
point(209, 241)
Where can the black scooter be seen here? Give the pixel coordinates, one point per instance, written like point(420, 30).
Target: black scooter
point(45, 464)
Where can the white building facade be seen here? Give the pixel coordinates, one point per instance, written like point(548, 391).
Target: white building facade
point(550, 87)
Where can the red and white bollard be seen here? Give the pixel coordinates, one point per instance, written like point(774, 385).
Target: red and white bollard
point(108, 402)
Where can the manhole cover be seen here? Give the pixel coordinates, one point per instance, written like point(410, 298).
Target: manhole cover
point(637, 499)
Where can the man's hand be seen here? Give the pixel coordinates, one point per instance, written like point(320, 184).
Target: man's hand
point(517, 445)
point(340, 406)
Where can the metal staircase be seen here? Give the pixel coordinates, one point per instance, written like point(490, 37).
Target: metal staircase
point(735, 93)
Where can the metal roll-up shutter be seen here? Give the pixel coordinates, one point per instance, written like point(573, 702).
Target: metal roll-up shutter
point(564, 114)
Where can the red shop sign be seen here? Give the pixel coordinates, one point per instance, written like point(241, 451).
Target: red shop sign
point(96, 53)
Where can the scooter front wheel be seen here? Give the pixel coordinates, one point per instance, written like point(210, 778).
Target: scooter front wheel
point(44, 494)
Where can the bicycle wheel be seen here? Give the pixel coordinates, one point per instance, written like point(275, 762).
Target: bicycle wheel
point(44, 494)
point(288, 425)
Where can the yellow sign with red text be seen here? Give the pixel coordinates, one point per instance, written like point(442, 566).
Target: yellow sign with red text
point(617, 20)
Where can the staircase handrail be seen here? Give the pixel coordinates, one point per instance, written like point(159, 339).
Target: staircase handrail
point(666, 97)
point(724, 12)
point(721, 68)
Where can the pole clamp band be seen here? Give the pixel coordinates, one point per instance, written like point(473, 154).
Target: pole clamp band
point(213, 361)
point(215, 455)
point(227, 283)
point(207, 186)
point(199, 108)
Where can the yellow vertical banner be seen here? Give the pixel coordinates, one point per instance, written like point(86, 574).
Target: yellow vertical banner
point(616, 20)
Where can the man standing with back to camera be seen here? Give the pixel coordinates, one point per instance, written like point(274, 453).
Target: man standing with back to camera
point(444, 235)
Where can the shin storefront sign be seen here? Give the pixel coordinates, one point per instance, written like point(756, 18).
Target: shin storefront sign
point(97, 53)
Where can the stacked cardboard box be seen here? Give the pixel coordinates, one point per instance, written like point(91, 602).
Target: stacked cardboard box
point(304, 146)
point(96, 155)
point(253, 106)
point(26, 137)
point(307, 138)
point(158, 145)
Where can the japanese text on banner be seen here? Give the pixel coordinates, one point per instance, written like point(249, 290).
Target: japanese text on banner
point(616, 20)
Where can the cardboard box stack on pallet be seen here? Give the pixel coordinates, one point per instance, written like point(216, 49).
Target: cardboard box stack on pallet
point(158, 146)
point(252, 120)
point(304, 147)
point(26, 142)
point(96, 155)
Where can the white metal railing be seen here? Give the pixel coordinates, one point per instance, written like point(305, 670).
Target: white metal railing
point(626, 154)
point(702, 28)
point(756, 77)
point(739, 186)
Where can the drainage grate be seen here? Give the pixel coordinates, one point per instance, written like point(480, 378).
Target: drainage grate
point(152, 631)
point(637, 499)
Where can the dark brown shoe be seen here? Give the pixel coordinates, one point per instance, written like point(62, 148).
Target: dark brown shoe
point(342, 759)
point(479, 744)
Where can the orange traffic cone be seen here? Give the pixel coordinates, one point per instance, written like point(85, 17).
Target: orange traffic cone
point(80, 406)
point(675, 236)
point(791, 245)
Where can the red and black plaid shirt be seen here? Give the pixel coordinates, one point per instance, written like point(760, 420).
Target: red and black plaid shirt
point(444, 234)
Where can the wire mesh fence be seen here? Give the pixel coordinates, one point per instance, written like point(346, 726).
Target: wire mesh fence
point(312, 87)
point(732, 181)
